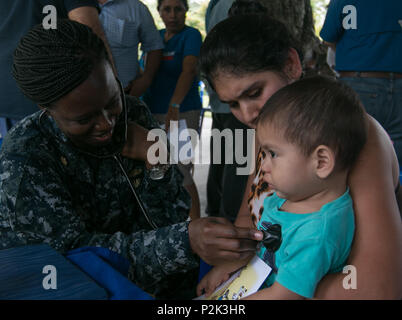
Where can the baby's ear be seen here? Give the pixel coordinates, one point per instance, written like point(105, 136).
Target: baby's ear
point(323, 160)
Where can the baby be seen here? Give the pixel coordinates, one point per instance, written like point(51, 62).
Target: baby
point(311, 133)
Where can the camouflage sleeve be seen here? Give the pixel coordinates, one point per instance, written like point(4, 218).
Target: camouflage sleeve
point(160, 253)
point(169, 250)
point(139, 112)
point(37, 208)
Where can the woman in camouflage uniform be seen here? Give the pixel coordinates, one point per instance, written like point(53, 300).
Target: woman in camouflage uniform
point(74, 173)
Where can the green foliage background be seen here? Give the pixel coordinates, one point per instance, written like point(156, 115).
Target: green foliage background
point(319, 12)
point(196, 14)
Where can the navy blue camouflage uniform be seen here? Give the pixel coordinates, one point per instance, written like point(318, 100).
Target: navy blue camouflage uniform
point(52, 193)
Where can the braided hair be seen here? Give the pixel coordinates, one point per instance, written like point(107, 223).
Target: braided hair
point(48, 64)
point(246, 7)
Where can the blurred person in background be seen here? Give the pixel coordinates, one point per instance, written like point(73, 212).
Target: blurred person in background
point(126, 24)
point(18, 17)
point(174, 92)
point(368, 57)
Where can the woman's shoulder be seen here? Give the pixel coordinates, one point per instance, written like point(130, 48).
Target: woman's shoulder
point(191, 31)
point(139, 112)
point(24, 138)
point(24, 153)
point(27, 149)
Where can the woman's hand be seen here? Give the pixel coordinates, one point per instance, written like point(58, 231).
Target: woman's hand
point(139, 86)
point(137, 145)
point(218, 241)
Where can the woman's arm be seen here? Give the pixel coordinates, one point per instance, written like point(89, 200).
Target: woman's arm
point(137, 144)
point(37, 207)
point(186, 78)
point(377, 247)
point(90, 17)
point(139, 85)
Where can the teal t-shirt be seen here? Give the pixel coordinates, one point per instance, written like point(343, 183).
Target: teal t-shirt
point(313, 244)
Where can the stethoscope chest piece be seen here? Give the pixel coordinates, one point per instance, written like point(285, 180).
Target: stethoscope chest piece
point(272, 237)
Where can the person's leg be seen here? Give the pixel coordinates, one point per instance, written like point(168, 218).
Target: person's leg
point(225, 186)
point(192, 122)
point(234, 184)
point(373, 94)
point(395, 119)
point(188, 182)
point(380, 100)
point(215, 172)
point(195, 211)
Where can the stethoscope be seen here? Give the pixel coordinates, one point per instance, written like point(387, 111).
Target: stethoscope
point(121, 128)
point(272, 237)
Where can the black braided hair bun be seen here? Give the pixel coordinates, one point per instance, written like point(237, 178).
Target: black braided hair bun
point(48, 64)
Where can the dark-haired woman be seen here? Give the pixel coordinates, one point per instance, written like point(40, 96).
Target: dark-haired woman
point(246, 59)
point(17, 18)
point(74, 173)
point(173, 94)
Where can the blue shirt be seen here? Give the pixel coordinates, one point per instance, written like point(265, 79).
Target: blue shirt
point(313, 244)
point(186, 42)
point(17, 18)
point(375, 44)
point(126, 24)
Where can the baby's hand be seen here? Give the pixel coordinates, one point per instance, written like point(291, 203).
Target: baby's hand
point(212, 280)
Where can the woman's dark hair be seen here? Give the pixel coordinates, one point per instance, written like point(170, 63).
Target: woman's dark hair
point(48, 64)
point(184, 2)
point(246, 7)
point(318, 111)
point(245, 44)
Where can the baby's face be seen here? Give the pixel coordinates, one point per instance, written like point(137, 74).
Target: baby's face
point(286, 169)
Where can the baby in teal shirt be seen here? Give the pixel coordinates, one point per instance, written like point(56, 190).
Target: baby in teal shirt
point(311, 133)
point(313, 244)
